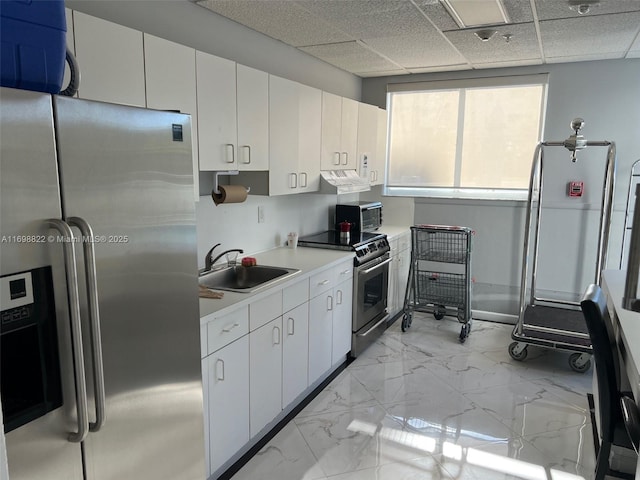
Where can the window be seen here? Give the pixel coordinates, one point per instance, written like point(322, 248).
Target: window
point(464, 138)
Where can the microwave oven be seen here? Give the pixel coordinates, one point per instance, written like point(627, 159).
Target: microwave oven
point(363, 216)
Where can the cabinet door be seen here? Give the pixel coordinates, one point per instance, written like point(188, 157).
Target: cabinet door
point(228, 400)
point(295, 353)
point(320, 335)
point(253, 119)
point(283, 136)
point(342, 323)
point(217, 118)
point(404, 263)
point(367, 140)
point(392, 292)
point(309, 138)
point(265, 374)
point(111, 59)
point(349, 134)
point(380, 159)
point(331, 131)
point(173, 88)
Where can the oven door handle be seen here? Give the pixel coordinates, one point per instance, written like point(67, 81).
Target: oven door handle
point(383, 319)
point(375, 267)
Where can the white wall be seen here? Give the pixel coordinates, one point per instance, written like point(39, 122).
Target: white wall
point(189, 24)
point(606, 95)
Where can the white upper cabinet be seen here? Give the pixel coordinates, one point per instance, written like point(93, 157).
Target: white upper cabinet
point(217, 117)
point(380, 159)
point(253, 118)
point(233, 115)
point(294, 137)
point(172, 88)
point(111, 61)
point(367, 140)
point(339, 132)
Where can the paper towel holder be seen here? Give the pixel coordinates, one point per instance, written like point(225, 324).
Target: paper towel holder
point(216, 174)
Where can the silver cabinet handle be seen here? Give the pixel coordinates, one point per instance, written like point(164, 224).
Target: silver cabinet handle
point(372, 176)
point(247, 157)
point(329, 302)
point(303, 183)
point(324, 282)
point(293, 180)
point(336, 158)
point(292, 325)
point(231, 149)
point(345, 272)
point(230, 327)
point(339, 297)
point(76, 330)
point(220, 363)
point(346, 158)
point(276, 335)
point(94, 319)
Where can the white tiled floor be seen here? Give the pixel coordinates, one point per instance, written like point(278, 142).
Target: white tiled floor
point(420, 405)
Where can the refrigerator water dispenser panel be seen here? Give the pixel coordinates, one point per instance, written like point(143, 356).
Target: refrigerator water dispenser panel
point(29, 364)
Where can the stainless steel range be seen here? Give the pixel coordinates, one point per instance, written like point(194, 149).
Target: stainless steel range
point(370, 281)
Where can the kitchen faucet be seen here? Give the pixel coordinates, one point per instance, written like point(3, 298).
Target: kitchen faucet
point(208, 262)
point(239, 250)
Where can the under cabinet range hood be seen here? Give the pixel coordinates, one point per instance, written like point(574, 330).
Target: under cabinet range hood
point(343, 181)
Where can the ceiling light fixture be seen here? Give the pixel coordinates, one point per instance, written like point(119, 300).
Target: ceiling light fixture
point(485, 34)
point(583, 6)
point(476, 13)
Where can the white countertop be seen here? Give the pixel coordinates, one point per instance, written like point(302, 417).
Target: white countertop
point(307, 260)
point(613, 284)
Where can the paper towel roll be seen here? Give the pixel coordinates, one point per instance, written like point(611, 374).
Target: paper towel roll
point(229, 194)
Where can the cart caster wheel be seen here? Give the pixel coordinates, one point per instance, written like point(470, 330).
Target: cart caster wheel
point(440, 312)
point(464, 332)
point(406, 322)
point(462, 317)
point(579, 362)
point(518, 351)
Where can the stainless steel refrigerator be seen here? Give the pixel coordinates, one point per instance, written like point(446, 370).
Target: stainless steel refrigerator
point(101, 371)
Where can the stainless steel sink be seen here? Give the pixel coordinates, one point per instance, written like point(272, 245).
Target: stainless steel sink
point(245, 279)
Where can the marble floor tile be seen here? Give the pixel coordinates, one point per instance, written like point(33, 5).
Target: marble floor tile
point(421, 405)
point(528, 408)
point(286, 457)
point(400, 381)
point(343, 393)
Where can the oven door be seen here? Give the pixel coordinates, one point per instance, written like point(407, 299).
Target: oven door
point(370, 290)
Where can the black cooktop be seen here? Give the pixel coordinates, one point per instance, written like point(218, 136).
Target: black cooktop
point(331, 239)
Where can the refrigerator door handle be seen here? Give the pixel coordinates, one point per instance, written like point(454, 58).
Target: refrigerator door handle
point(94, 318)
point(76, 330)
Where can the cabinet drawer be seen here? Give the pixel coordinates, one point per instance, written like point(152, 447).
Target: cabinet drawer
point(343, 272)
point(295, 295)
point(263, 311)
point(226, 329)
point(321, 282)
point(404, 241)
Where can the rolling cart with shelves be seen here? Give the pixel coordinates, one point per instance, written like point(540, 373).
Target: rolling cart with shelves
point(439, 279)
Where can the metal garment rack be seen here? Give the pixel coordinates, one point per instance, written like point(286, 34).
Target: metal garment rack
point(548, 322)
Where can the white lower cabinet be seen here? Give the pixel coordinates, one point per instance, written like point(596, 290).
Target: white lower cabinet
point(399, 272)
point(320, 334)
point(342, 324)
point(295, 353)
point(265, 374)
point(227, 401)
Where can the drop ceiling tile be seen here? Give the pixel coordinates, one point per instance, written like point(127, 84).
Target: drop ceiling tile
point(280, 19)
point(386, 73)
point(370, 18)
point(589, 35)
point(635, 48)
point(512, 63)
point(523, 45)
point(416, 49)
point(586, 57)
point(441, 68)
point(350, 56)
point(555, 9)
point(518, 11)
point(633, 54)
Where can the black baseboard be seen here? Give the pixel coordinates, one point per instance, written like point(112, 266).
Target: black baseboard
point(233, 469)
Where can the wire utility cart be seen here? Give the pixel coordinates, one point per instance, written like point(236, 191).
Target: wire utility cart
point(548, 322)
point(440, 274)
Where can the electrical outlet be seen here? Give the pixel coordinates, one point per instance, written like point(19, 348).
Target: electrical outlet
point(260, 214)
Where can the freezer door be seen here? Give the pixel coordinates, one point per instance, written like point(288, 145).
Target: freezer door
point(128, 173)
point(29, 194)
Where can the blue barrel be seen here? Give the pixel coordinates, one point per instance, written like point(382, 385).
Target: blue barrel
point(33, 34)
